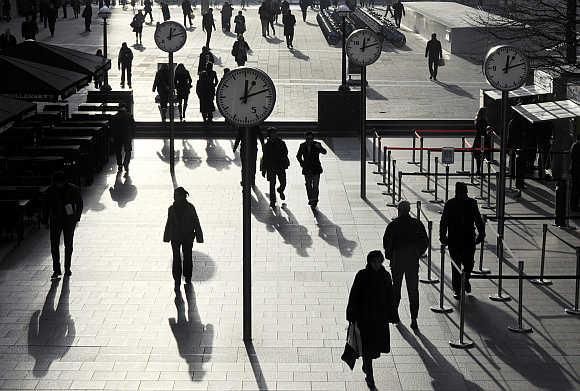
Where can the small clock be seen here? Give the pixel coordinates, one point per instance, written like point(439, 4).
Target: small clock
point(170, 36)
point(246, 96)
point(363, 47)
point(506, 67)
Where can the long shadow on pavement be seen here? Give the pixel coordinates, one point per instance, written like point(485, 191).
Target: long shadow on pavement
point(332, 234)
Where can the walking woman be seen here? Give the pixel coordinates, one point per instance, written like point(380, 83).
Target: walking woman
point(240, 22)
point(480, 124)
point(205, 90)
point(137, 25)
point(289, 21)
point(182, 86)
point(371, 307)
point(240, 51)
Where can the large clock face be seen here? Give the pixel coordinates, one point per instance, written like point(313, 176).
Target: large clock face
point(506, 68)
point(363, 47)
point(246, 96)
point(170, 36)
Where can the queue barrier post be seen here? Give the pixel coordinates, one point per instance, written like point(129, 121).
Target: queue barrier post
point(488, 197)
point(413, 161)
point(446, 182)
point(460, 343)
point(378, 171)
point(374, 161)
point(576, 310)
point(512, 168)
point(481, 269)
point(418, 210)
point(541, 280)
point(384, 183)
point(429, 280)
point(436, 200)
point(421, 154)
point(441, 308)
point(428, 188)
point(519, 328)
point(400, 177)
point(393, 189)
point(472, 176)
point(499, 296)
point(463, 146)
point(388, 191)
point(481, 185)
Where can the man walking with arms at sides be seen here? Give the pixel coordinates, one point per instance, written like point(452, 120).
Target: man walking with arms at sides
point(405, 240)
point(398, 12)
point(62, 210)
point(181, 229)
point(125, 62)
point(274, 164)
point(457, 230)
point(309, 158)
point(207, 24)
point(434, 52)
point(123, 126)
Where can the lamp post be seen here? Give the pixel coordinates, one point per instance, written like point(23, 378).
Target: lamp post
point(343, 11)
point(105, 13)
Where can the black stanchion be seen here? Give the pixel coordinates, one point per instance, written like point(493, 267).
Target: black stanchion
point(393, 191)
point(384, 183)
point(488, 205)
point(481, 249)
point(519, 328)
point(576, 310)
point(428, 188)
point(374, 161)
point(463, 171)
point(429, 280)
point(499, 296)
point(541, 280)
point(413, 161)
point(481, 185)
point(400, 177)
point(446, 182)
point(388, 191)
point(378, 171)
point(441, 308)
point(460, 343)
point(419, 210)
point(436, 175)
point(471, 177)
point(421, 154)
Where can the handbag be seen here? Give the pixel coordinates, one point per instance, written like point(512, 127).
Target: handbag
point(353, 346)
point(441, 62)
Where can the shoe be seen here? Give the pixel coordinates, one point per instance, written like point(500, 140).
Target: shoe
point(430, 77)
point(282, 196)
point(129, 85)
point(122, 85)
point(414, 324)
point(188, 282)
point(55, 275)
point(68, 273)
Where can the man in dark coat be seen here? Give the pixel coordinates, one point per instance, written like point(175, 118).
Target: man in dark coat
point(62, 209)
point(575, 173)
point(29, 28)
point(404, 241)
point(371, 307)
point(165, 10)
point(187, 12)
point(52, 16)
point(6, 10)
point(123, 126)
point(457, 230)
point(205, 57)
point(289, 21)
point(304, 4)
point(162, 84)
point(308, 157)
point(124, 63)
point(88, 15)
point(207, 24)
point(434, 52)
point(226, 12)
point(264, 12)
point(7, 40)
point(181, 229)
point(148, 9)
point(398, 12)
point(274, 164)
point(255, 135)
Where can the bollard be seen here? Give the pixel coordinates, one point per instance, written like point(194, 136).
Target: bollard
point(488, 205)
point(374, 148)
point(388, 191)
point(413, 161)
point(519, 328)
point(393, 202)
point(472, 175)
point(421, 154)
point(541, 280)
point(384, 183)
point(481, 185)
point(461, 344)
point(378, 171)
point(446, 183)
point(499, 296)
point(429, 280)
point(400, 175)
point(481, 249)
point(428, 189)
point(463, 171)
point(436, 200)
point(419, 210)
point(441, 308)
point(576, 310)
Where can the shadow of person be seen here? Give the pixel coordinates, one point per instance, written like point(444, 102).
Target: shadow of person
point(444, 376)
point(299, 55)
point(454, 89)
point(123, 192)
point(190, 333)
point(51, 332)
point(525, 356)
point(291, 231)
point(189, 157)
point(273, 40)
point(261, 210)
point(332, 234)
point(164, 153)
point(216, 155)
point(138, 46)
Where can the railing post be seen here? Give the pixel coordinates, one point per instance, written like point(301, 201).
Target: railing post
point(436, 200)
point(461, 344)
point(388, 191)
point(519, 328)
point(419, 210)
point(481, 185)
point(384, 183)
point(428, 189)
point(499, 296)
point(393, 202)
point(378, 171)
point(541, 280)
point(413, 161)
point(481, 249)
point(576, 310)
point(446, 182)
point(471, 176)
point(429, 280)
point(488, 197)
point(463, 171)
point(441, 307)
point(400, 177)
point(374, 148)
point(421, 154)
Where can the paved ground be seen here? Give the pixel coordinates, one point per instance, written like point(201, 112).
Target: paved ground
point(118, 324)
point(397, 81)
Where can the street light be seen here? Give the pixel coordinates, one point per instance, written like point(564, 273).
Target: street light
point(105, 13)
point(343, 11)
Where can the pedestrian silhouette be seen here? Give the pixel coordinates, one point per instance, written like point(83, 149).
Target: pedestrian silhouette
point(123, 126)
point(308, 157)
point(275, 162)
point(207, 24)
point(182, 82)
point(162, 84)
point(240, 50)
point(205, 90)
point(434, 53)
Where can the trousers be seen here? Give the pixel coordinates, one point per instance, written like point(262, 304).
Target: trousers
point(411, 273)
point(281, 174)
point(125, 69)
point(68, 231)
point(312, 181)
point(464, 257)
point(433, 66)
point(178, 268)
point(120, 146)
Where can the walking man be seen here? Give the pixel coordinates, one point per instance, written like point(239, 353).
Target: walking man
point(434, 52)
point(264, 12)
point(123, 126)
point(398, 12)
point(181, 229)
point(405, 240)
point(124, 64)
point(62, 210)
point(457, 230)
point(226, 12)
point(187, 12)
point(308, 157)
point(207, 24)
point(289, 21)
point(88, 15)
point(29, 28)
point(162, 84)
point(148, 8)
point(274, 164)
point(52, 16)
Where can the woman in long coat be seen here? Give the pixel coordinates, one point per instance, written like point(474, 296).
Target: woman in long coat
point(371, 307)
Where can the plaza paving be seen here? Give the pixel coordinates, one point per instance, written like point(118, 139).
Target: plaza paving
point(398, 80)
point(118, 324)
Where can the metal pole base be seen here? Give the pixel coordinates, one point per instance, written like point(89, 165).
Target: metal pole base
point(499, 298)
point(411, 162)
point(386, 193)
point(541, 281)
point(572, 311)
point(481, 271)
point(428, 281)
point(378, 172)
point(521, 330)
point(441, 310)
point(436, 201)
point(463, 172)
point(461, 344)
point(394, 205)
point(428, 191)
point(381, 184)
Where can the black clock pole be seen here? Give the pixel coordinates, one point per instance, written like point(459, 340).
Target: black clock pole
point(171, 112)
point(363, 132)
point(502, 166)
point(247, 236)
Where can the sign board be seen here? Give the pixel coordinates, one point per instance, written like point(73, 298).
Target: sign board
point(447, 155)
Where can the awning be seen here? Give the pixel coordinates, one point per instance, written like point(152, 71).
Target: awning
point(12, 109)
point(521, 92)
point(548, 111)
point(56, 56)
point(33, 81)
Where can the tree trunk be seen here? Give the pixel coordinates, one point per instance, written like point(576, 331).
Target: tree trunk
point(571, 32)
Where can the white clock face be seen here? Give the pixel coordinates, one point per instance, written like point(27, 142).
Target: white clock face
point(506, 68)
point(170, 36)
point(246, 96)
point(363, 47)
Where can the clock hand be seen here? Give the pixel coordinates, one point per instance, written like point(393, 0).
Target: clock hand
point(245, 97)
point(170, 33)
point(507, 63)
point(177, 35)
point(364, 45)
point(254, 93)
point(370, 45)
point(516, 65)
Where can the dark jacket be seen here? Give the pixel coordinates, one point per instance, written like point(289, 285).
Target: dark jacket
point(123, 126)
point(433, 50)
point(458, 222)
point(186, 7)
point(207, 22)
point(264, 12)
point(162, 83)
point(182, 82)
point(275, 155)
point(288, 20)
point(125, 56)
point(370, 304)
point(399, 9)
point(87, 12)
point(240, 52)
point(204, 58)
point(182, 224)
point(55, 201)
point(404, 241)
point(575, 160)
point(309, 158)
point(227, 11)
point(240, 22)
